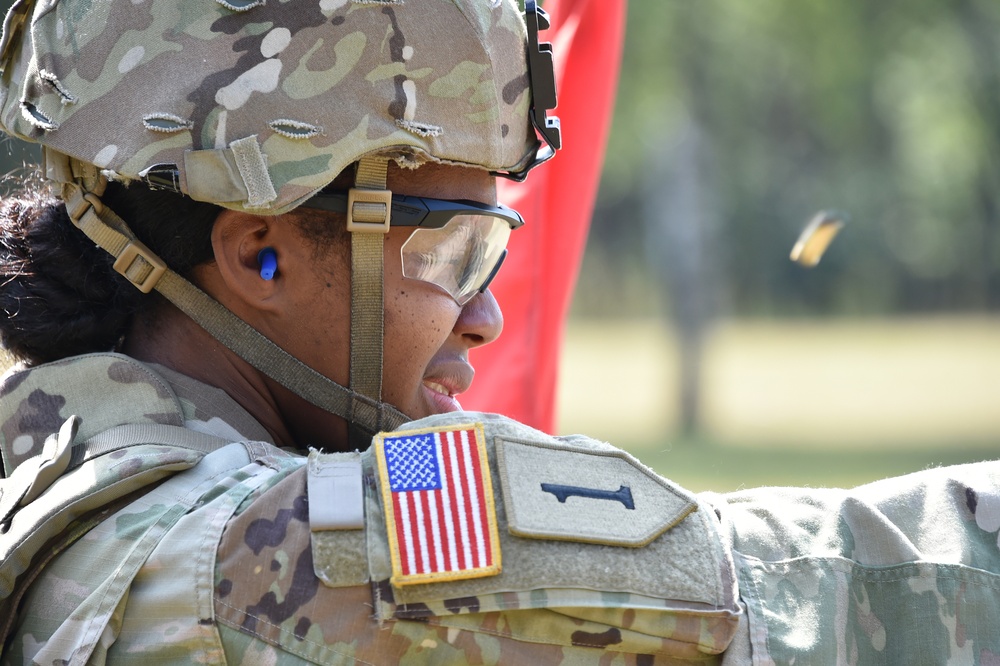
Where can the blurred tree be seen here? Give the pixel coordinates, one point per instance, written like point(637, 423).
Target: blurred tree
point(736, 122)
point(889, 110)
point(684, 251)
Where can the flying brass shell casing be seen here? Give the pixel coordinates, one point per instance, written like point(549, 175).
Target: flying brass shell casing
point(816, 237)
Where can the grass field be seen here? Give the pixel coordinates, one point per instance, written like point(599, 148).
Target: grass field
point(834, 403)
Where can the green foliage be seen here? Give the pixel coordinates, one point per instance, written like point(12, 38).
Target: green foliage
point(888, 110)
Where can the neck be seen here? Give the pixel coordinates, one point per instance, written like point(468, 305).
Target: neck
point(169, 338)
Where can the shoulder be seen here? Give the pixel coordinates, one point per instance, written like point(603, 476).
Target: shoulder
point(129, 494)
point(106, 389)
point(471, 530)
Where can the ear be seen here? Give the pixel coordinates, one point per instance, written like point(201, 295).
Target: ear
point(237, 239)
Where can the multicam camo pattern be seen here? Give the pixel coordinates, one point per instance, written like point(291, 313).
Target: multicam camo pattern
point(285, 604)
point(316, 84)
point(513, 617)
point(902, 571)
point(215, 565)
point(103, 592)
point(30, 411)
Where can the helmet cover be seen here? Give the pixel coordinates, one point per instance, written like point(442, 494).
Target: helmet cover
point(256, 105)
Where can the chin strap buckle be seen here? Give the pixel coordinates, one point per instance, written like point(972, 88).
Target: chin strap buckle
point(133, 260)
point(140, 266)
point(368, 210)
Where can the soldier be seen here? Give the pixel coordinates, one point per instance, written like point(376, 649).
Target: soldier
point(244, 321)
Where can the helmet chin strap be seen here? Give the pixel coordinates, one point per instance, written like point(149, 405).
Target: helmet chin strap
point(369, 206)
point(361, 406)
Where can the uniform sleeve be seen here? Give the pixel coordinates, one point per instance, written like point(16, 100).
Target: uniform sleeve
point(586, 580)
point(901, 571)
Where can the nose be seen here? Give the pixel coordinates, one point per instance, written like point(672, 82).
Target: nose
point(480, 321)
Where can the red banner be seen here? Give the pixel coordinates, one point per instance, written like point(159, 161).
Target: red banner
point(516, 375)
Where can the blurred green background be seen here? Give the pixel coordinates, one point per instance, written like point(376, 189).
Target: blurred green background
point(696, 343)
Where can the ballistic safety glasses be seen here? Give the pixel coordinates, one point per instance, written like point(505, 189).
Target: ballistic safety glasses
point(457, 245)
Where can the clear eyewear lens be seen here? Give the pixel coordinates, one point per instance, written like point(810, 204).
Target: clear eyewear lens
point(460, 256)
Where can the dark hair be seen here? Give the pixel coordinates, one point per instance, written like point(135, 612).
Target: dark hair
point(59, 292)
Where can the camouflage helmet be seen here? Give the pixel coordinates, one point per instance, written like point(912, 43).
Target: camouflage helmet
point(257, 104)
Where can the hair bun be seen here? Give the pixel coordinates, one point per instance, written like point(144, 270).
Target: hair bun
point(59, 292)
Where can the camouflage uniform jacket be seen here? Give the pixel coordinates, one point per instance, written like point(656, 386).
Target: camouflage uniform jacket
point(223, 562)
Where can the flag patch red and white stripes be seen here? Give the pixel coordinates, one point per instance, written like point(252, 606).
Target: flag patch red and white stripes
point(438, 499)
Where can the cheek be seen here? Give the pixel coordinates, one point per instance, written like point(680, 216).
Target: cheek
point(321, 328)
point(418, 321)
point(418, 316)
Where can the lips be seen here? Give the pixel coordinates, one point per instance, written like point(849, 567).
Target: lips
point(438, 388)
point(444, 382)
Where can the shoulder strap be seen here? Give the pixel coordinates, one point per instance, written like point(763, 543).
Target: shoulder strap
point(48, 518)
point(161, 508)
point(134, 434)
point(35, 475)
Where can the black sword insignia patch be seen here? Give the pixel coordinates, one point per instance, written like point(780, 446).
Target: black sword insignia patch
point(623, 494)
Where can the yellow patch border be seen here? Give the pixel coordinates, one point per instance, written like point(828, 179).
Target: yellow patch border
point(398, 578)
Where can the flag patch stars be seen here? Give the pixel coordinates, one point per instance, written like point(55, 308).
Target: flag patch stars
point(439, 507)
point(412, 464)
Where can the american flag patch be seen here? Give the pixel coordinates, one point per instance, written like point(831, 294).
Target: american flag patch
point(438, 498)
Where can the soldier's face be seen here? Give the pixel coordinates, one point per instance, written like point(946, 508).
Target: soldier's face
point(427, 334)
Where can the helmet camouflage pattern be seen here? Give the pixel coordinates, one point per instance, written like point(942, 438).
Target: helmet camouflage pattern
point(256, 105)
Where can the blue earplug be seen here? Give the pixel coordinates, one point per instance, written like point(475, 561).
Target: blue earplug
point(268, 260)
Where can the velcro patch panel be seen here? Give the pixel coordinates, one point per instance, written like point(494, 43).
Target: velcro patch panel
point(615, 553)
point(602, 496)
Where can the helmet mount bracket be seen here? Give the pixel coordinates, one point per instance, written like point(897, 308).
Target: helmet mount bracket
point(541, 71)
